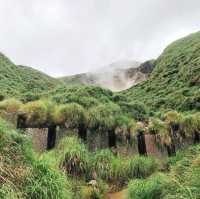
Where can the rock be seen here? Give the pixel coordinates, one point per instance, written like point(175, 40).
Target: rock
point(92, 183)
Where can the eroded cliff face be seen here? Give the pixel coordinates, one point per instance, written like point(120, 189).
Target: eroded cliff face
point(116, 77)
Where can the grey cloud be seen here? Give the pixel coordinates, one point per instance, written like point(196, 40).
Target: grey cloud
point(62, 37)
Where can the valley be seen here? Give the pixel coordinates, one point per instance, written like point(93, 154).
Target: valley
point(133, 133)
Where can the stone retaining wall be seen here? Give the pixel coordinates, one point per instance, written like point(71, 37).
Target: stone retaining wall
point(39, 138)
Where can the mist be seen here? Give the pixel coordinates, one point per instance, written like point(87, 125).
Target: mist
point(64, 37)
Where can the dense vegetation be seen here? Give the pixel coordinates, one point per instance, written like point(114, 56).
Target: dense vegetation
point(20, 80)
point(175, 80)
point(181, 182)
point(22, 175)
point(166, 106)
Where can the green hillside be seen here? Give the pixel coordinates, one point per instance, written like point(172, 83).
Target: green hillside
point(135, 125)
point(175, 81)
point(18, 80)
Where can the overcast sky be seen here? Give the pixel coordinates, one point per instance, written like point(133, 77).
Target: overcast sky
point(63, 37)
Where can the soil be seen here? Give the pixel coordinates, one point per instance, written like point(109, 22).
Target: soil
point(117, 195)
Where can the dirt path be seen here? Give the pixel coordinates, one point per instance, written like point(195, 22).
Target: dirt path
point(117, 195)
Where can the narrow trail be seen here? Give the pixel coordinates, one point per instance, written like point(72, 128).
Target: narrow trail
point(117, 195)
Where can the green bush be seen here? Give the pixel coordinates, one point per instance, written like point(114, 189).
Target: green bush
point(103, 116)
point(8, 192)
point(102, 164)
point(46, 183)
point(24, 177)
point(141, 167)
point(73, 157)
point(73, 115)
point(190, 124)
point(10, 105)
point(120, 170)
point(153, 188)
point(38, 113)
point(161, 129)
point(136, 110)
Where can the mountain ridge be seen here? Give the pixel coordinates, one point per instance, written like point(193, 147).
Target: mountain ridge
point(174, 82)
point(114, 77)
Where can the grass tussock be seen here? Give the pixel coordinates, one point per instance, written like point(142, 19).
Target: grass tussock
point(22, 176)
point(76, 161)
point(181, 182)
point(72, 115)
point(10, 105)
point(38, 113)
point(73, 157)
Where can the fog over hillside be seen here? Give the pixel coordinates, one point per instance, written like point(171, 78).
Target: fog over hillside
point(117, 76)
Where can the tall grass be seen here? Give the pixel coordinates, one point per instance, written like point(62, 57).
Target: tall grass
point(10, 105)
point(36, 112)
point(46, 183)
point(152, 188)
point(181, 182)
point(73, 157)
point(141, 167)
point(22, 176)
point(76, 161)
point(73, 115)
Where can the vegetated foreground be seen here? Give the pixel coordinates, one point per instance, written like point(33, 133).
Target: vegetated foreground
point(97, 140)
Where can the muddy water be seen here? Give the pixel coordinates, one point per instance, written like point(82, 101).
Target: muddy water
point(118, 195)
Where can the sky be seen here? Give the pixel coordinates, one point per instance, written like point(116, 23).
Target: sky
point(65, 37)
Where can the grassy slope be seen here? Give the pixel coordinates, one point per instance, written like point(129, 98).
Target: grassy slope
point(16, 80)
point(87, 96)
point(182, 182)
point(175, 81)
point(74, 79)
point(22, 175)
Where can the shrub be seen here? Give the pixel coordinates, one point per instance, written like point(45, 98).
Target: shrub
point(190, 123)
point(46, 183)
point(29, 97)
point(10, 105)
point(161, 129)
point(152, 188)
point(136, 110)
point(102, 164)
point(73, 115)
point(172, 117)
point(103, 116)
point(38, 113)
point(8, 192)
point(141, 167)
point(73, 157)
point(24, 177)
point(119, 170)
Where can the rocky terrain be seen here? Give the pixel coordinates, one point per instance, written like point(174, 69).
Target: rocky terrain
point(116, 77)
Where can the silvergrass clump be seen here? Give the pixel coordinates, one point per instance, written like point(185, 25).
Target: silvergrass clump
point(190, 124)
point(152, 188)
point(72, 115)
point(140, 167)
point(73, 157)
point(102, 164)
point(47, 183)
point(172, 117)
point(38, 113)
point(7, 191)
point(161, 130)
point(103, 116)
point(10, 105)
point(119, 170)
point(24, 177)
